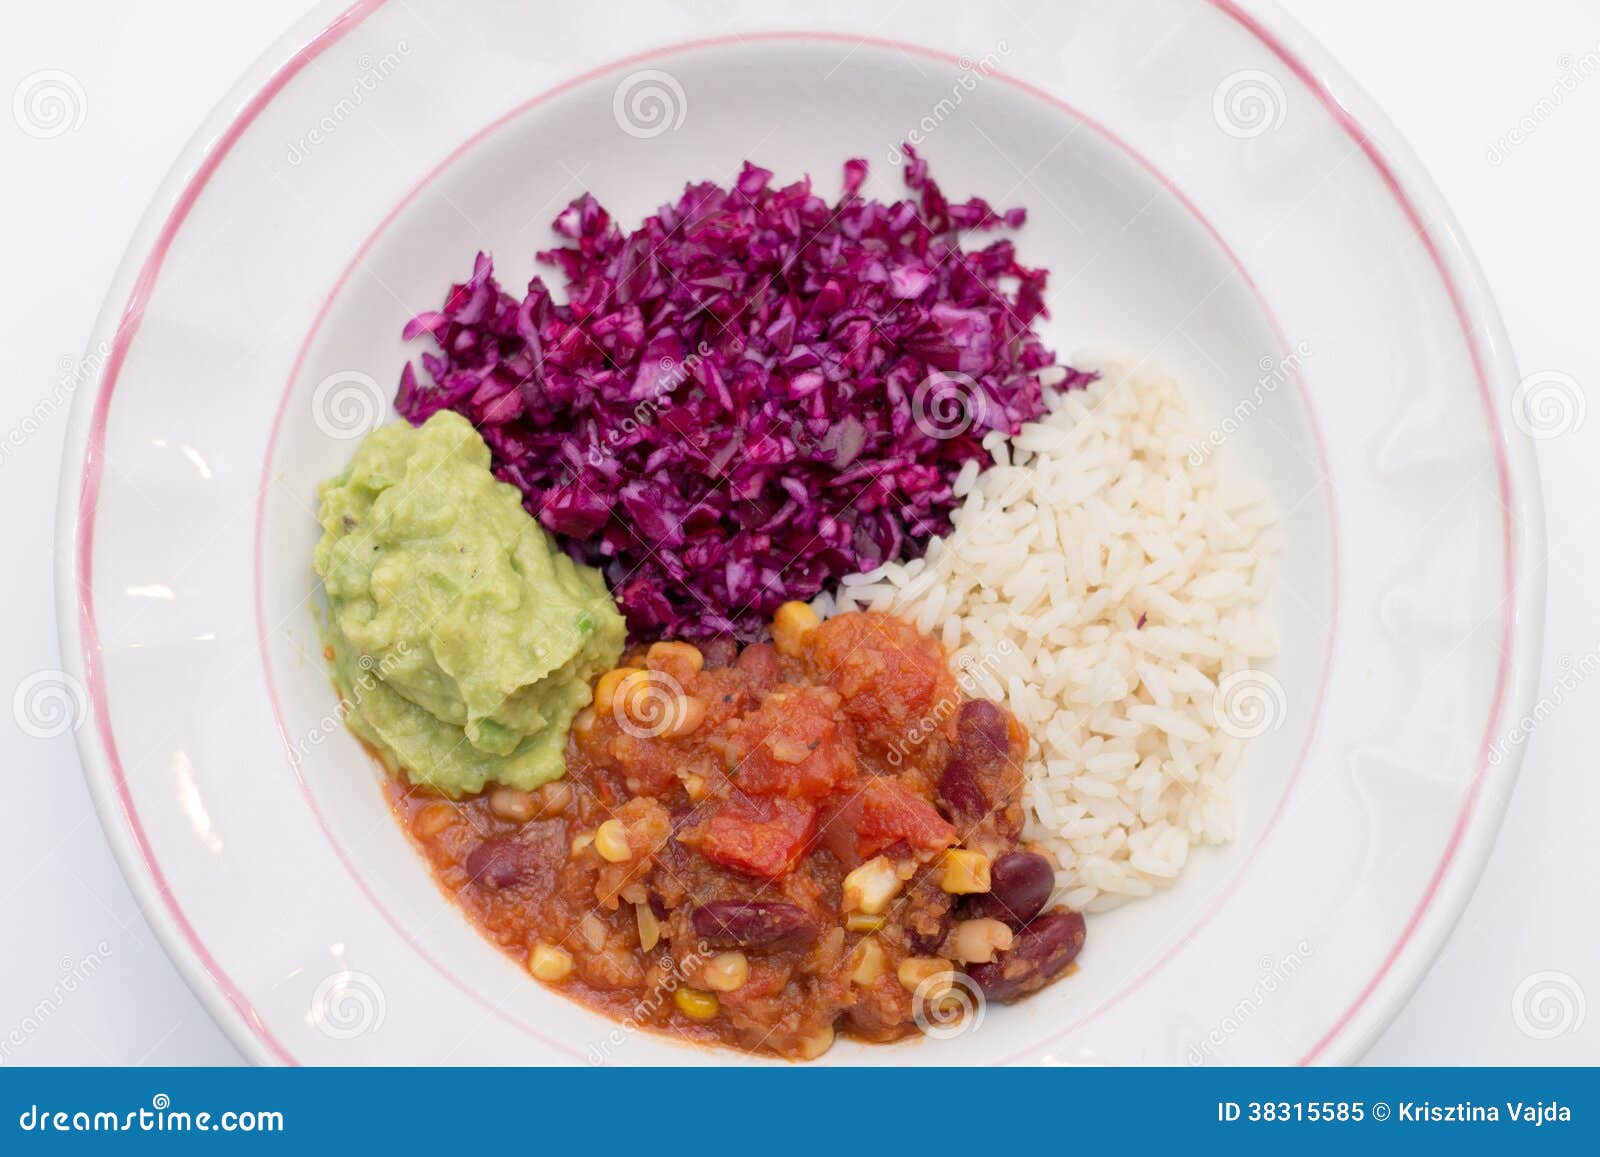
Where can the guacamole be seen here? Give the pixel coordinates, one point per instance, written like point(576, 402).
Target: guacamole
point(463, 640)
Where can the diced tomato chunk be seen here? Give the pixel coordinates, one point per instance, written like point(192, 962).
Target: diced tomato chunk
point(796, 746)
point(761, 835)
point(889, 675)
point(886, 812)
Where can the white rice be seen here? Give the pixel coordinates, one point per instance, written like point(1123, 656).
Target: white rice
point(1101, 514)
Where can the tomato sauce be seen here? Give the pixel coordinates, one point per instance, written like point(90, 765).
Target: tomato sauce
point(768, 847)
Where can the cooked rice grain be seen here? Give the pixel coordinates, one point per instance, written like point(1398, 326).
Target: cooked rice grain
point(1096, 518)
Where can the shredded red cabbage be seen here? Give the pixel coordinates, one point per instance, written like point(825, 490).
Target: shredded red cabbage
point(751, 395)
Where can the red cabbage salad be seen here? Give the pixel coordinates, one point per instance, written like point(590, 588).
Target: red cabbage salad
point(752, 394)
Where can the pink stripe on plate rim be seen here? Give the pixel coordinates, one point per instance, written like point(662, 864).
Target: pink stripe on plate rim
point(488, 130)
point(144, 285)
point(127, 327)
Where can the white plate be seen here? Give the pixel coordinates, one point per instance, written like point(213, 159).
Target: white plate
point(1210, 193)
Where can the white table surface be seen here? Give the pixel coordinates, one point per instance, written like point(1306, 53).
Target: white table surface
point(151, 72)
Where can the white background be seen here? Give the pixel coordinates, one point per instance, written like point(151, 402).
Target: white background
point(1455, 77)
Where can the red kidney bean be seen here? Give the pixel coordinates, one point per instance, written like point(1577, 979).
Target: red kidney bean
point(982, 731)
point(516, 857)
point(924, 914)
point(1020, 884)
point(982, 783)
point(962, 797)
point(499, 862)
point(721, 651)
point(760, 662)
point(1040, 953)
point(753, 923)
point(925, 934)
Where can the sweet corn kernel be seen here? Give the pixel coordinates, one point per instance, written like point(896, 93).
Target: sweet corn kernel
point(510, 804)
point(816, 1044)
point(976, 941)
point(605, 688)
point(792, 623)
point(869, 962)
point(871, 886)
point(675, 654)
point(432, 820)
point(583, 722)
point(611, 841)
point(548, 962)
point(638, 694)
point(688, 713)
point(649, 926)
point(861, 922)
point(581, 841)
point(552, 799)
point(915, 971)
point(965, 872)
point(696, 1005)
point(726, 971)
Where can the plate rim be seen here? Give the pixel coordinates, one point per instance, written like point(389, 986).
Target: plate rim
point(1483, 807)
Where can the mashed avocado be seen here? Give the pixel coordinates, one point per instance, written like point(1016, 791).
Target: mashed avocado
point(463, 640)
